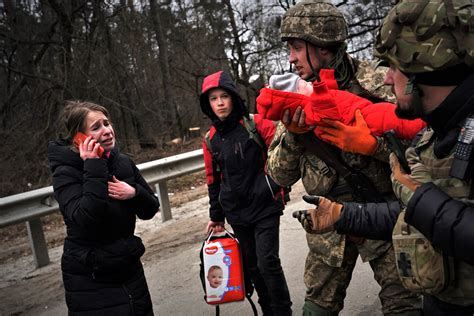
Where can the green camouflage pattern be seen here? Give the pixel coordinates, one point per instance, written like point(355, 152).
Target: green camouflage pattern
point(288, 162)
point(370, 76)
point(439, 170)
point(462, 291)
point(421, 35)
point(419, 265)
point(331, 256)
point(316, 22)
point(326, 285)
point(419, 172)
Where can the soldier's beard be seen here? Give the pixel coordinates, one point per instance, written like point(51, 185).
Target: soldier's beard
point(407, 113)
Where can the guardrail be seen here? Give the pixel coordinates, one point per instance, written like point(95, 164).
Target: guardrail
point(30, 206)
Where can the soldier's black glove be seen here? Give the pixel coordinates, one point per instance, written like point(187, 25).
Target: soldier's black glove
point(320, 219)
point(305, 219)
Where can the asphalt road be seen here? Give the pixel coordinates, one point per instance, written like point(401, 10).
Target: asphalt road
point(176, 289)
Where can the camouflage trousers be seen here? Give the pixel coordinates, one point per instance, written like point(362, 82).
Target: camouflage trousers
point(326, 285)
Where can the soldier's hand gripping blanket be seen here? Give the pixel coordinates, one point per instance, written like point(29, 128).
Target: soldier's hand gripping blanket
point(296, 123)
point(404, 185)
point(320, 219)
point(355, 139)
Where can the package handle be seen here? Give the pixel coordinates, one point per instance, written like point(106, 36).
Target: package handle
point(211, 233)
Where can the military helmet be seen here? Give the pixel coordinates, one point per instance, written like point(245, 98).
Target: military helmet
point(316, 22)
point(423, 36)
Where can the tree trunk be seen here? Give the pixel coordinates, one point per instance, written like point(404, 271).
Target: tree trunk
point(169, 100)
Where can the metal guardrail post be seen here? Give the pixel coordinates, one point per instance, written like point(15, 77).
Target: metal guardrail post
point(162, 191)
point(37, 242)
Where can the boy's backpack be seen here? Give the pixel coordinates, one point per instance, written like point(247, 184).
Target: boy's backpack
point(222, 252)
point(249, 124)
point(250, 127)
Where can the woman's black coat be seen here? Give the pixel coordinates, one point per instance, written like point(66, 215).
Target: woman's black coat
point(101, 254)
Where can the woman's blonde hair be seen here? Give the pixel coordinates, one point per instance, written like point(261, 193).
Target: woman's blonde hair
point(73, 116)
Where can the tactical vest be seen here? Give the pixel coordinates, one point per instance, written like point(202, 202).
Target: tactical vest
point(421, 267)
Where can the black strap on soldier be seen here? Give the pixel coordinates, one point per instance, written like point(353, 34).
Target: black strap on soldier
point(362, 189)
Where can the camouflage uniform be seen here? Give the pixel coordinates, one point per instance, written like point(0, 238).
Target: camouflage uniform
point(460, 292)
point(332, 257)
point(432, 43)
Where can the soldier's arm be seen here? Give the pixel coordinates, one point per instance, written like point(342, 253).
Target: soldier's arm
point(370, 220)
point(284, 156)
point(444, 221)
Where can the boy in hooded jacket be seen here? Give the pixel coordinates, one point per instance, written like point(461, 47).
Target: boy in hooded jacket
point(241, 191)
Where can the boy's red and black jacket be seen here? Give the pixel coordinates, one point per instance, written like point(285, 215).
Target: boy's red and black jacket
point(239, 189)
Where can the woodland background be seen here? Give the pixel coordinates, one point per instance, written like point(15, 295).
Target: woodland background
point(142, 59)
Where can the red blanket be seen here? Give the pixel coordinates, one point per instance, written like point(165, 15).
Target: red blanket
point(329, 102)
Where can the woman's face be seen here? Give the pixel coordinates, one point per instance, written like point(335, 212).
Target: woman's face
point(98, 126)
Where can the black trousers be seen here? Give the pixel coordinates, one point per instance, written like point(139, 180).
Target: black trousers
point(260, 247)
point(434, 307)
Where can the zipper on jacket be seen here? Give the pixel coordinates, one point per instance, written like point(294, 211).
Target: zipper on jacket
point(269, 186)
point(238, 149)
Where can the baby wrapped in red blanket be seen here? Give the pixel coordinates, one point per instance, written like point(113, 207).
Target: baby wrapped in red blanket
point(323, 100)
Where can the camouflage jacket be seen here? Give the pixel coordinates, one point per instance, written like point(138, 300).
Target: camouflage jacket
point(288, 162)
point(461, 290)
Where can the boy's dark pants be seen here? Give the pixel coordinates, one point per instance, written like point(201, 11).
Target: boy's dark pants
point(260, 246)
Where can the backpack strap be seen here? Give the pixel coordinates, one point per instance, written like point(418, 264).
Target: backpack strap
point(250, 127)
point(207, 139)
point(249, 124)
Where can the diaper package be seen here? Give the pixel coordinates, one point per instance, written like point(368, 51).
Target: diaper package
point(221, 269)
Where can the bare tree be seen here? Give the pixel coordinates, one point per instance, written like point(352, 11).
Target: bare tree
point(144, 60)
point(169, 101)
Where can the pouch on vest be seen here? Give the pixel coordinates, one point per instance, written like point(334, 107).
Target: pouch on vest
point(222, 273)
point(421, 268)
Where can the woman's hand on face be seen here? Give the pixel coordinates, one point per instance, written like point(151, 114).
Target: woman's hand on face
point(120, 190)
point(88, 149)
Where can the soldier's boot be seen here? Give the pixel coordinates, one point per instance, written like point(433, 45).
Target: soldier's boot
point(312, 309)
